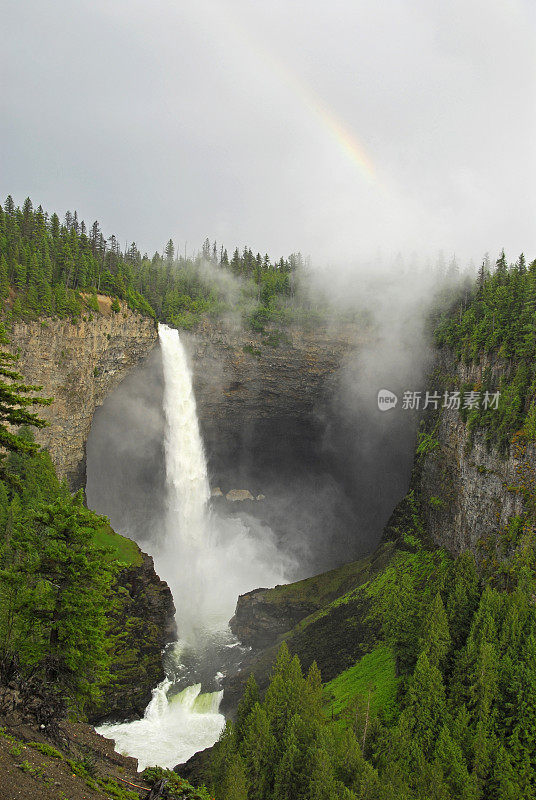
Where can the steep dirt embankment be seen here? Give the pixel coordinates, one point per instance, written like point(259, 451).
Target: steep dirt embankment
point(469, 490)
point(77, 365)
point(72, 761)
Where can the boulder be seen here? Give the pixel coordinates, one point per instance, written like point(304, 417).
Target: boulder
point(238, 495)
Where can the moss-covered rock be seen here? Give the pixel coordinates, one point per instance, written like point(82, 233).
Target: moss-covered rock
point(335, 633)
point(141, 624)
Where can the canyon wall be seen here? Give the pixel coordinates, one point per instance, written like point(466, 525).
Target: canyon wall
point(272, 375)
point(469, 489)
point(78, 365)
point(258, 394)
point(243, 380)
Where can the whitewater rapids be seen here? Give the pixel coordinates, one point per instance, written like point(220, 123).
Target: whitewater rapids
point(173, 727)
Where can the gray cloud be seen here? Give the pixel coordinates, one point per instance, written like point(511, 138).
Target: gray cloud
point(195, 119)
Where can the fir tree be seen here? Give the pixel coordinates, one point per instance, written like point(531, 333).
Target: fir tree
point(258, 750)
point(16, 402)
point(248, 701)
point(234, 784)
point(436, 637)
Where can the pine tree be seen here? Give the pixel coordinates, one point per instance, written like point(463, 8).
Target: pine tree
point(169, 251)
point(224, 750)
point(313, 694)
point(426, 704)
point(483, 688)
point(258, 750)
point(436, 637)
point(322, 781)
point(501, 267)
point(16, 402)
point(4, 277)
point(285, 695)
point(351, 767)
point(449, 757)
point(462, 597)
point(77, 579)
point(27, 217)
point(247, 703)
point(234, 785)
point(503, 781)
point(55, 226)
point(236, 263)
point(522, 711)
point(289, 771)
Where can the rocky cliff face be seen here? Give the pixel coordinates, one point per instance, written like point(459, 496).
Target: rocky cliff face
point(264, 615)
point(142, 623)
point(469, 489)
point(311, 618)
point(272, 375)
point(77, 365)
point(263, 406)
point(258, 395)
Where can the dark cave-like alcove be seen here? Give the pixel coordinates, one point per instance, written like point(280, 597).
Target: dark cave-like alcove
point(330, 477)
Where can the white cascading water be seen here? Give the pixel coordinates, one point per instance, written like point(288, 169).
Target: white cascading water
point(186, 466)
point(207, 562)
point(172, 729)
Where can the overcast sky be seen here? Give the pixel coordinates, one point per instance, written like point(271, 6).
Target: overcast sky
point(334, 128)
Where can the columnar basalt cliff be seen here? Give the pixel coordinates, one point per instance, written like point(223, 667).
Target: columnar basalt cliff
point(475, 487)
point(77, 365)
point(469, 489)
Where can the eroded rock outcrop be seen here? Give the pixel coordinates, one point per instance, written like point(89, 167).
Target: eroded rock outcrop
point(77, 365)
point(258, 621)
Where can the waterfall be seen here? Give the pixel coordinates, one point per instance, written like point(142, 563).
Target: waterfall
point(207, 562)
point(177, 725)
point(186, 467)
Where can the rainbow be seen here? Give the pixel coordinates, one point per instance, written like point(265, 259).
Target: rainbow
point(346, 140)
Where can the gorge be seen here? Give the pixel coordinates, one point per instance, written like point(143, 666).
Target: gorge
point(146, 465)
point(208, 560)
